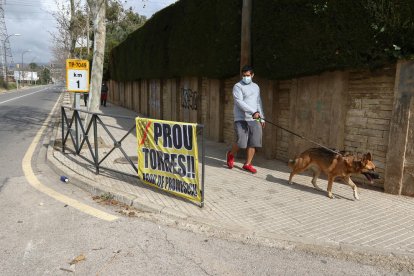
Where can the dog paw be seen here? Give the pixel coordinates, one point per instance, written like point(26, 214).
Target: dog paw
point(356, 196)
point(331, 196)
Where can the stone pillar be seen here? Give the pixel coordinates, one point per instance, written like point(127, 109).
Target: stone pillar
point(399, 126)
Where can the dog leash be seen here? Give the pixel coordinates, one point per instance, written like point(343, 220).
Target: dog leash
point(298, 135)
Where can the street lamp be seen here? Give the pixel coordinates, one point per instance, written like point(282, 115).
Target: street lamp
point(23, 66)
point(5, 57)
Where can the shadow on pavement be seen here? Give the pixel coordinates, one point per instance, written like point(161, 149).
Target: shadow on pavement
point(301, 187)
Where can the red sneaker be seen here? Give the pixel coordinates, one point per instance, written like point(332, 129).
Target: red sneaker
point(249, 167)
point(230, 160)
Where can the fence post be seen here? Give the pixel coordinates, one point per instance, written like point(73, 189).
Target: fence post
point(62, 112)
point(76, 131)
point(95, 138)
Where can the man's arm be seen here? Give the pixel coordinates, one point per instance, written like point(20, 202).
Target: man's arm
point(238, 100)
point(260, 106)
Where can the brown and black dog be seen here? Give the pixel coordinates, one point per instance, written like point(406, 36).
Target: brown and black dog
point(333, 165)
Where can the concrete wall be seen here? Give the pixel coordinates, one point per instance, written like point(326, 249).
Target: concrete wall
point(357, 111)
point(399, 166)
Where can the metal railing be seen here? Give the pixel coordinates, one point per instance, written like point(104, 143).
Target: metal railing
point(79, 135)
point(74, 127)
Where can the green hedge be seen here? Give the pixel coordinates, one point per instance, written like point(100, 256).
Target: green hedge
point(290, 38)
point(189, 38)
point(301, 37)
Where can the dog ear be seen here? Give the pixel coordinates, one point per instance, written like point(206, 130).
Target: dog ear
point(367, 157)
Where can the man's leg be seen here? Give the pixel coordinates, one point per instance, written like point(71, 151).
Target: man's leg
point(230, 155)
point(234, 149)
point(250, 153)
point(241, 131)
point(255, 140)
point(248, 165)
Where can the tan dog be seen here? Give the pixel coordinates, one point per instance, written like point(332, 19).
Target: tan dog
point(333, 165)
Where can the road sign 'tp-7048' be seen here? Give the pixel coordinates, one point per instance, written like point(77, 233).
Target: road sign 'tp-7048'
point(77, 75)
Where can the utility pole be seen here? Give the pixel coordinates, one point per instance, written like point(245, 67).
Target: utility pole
point(245, 49)
point(4, 38)
point(5, 58)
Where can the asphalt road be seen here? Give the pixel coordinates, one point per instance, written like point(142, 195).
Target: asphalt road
point(40, 235)
point(21, 115)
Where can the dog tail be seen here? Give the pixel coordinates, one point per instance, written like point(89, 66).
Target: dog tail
point(291, 163)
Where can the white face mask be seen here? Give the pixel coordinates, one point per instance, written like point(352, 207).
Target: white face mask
point(247, 79)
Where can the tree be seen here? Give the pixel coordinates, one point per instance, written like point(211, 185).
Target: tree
point(98, 9)
point(120, 23)
point(45, 77)
point(73, 21)
point(33, 66)
point(70, 25)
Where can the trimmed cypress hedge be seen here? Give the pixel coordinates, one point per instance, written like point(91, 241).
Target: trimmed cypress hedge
point(189, 38)
point(301, 37)
point(290, 38)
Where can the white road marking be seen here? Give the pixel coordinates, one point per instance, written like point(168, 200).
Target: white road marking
point(15, 98)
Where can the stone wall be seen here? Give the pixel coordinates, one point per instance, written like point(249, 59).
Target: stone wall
point(370, 98)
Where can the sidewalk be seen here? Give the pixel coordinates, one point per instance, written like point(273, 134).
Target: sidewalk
point(264, 205)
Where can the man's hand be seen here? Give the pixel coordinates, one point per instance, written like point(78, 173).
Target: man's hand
point(263, 124)
point(256, 115)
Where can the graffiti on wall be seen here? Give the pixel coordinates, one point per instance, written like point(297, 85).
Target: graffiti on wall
point(154, 100)
point(189, 99)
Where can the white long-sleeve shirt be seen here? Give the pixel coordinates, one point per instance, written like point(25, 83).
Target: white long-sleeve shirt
point(246, 101)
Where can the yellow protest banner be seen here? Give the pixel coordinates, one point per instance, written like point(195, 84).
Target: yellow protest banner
point(168, 156)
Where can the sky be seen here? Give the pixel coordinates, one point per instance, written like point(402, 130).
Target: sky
point(32, 19)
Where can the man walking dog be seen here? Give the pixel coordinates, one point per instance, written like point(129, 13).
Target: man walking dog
point(248, 111)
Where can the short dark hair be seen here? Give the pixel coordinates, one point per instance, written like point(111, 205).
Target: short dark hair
point(247, 68)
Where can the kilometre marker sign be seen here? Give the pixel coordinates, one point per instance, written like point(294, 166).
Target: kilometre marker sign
point(77, 75)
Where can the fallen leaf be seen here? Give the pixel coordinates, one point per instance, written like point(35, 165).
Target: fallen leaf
point(78, 259)
point(67, 270)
